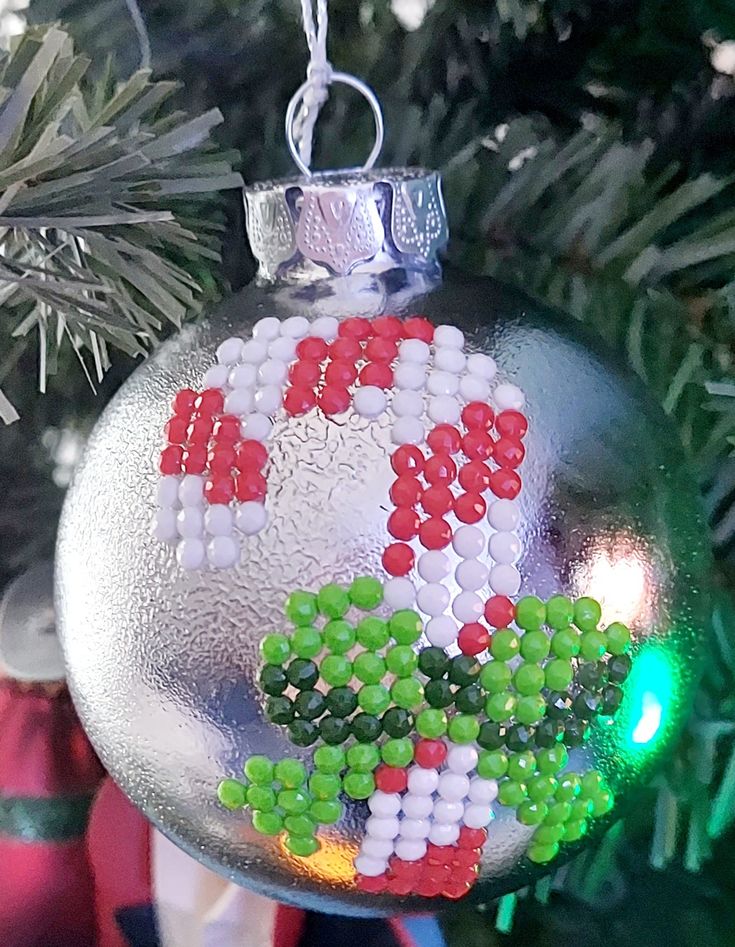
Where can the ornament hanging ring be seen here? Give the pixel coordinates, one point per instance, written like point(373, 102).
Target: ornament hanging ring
point(345, 78)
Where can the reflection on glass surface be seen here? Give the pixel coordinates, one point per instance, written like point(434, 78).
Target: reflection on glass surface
point(618, 574)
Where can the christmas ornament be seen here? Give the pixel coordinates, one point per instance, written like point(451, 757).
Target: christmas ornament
point(378, 589)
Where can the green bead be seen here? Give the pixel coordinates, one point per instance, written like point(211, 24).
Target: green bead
point(602, 803)
point(397, 752)
point(618, 638)
point(267, 823)
point(530, 710)
point(303, 732)
point(495, 677)
point(593, 645)
point(535, 646)
point(552, 760)
point(438, 693)
point(591, 783)
point(359, 785)
point(402, 660)
point(500, 707)
point(363, 757)
point(341, 701)
point(558, 813)
point(541, 788)
point(310, 705)
point(373, 698)
point(408, 693)
point(336, 670)
point(566, 643)
point(464, 728)
point(366, 728)
point(528, 679)
point(568, 788)
point(259, 770)
point(275, 649)
point(294, 801)
point(302, 674)
point(531, 812)
point(470, 700)
point(273, 680)
point(261, 798)
point(580, 809)
point(232, 794)
point(463, 670)
point(587, 614)
point(542, 854)
point(433, 662)
point(405, 626)
point(530, 613)
point(339, 636)
point(492, 764)
point(301, 608)
point(329, 759)
point(548, 834)
point(326, 811)
point(574, 831)
point(521, 766)
point(369, 668)
point(291, 774)
point(505, 644)
point(334, 730)
point(397, 722)
point(302, 846)
point(279, 710)
point(325, 785)
point(559, 612)
point(302, 825)
point(491, 735)
point(333, 601)
point(372, 633)
point(431, 723)
point(306, 642)
point(511, 793)
point(366, 593)
point(558, 674)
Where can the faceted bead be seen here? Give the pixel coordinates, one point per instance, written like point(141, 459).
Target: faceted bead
point(618, 637)
point(210, 401)
point(587, 614)
point(430, 753)
point(575, 732)
point(505, 483)
point(475, 476)
point(499, 611)
point(444, 439)
point(559, 675)
point(279, 710)
point(491, 735)
point(591, 675)
point(376, 375)
point(306, 642)
point(406, 491)
point(326, 811)
point(531, 812)
point(529, 679)
point(341, 701)
point(566, 643)
point(262, 798)
point(310, 704)
point(464, 670)
point(397, 752)
point(358, 785)
point(183, 402)
point(435, 533)
point(405, 626)
point(388, 327)
point(438, 694)
point(470, 700)
point(334, 399)
point(275, 649)
point(372, 633)
point(403, 523)
point(334, 730)
point(473, 638)
point(508, 453)
point(304, 374)
point(397, 722)
point(345, 349)
point(324, 785)
point(195, 461)
point(478, 415)
point(618, 668)
point(495, 676)
point(469, 507)
point(273, 680)
point(329, 759)
point(511, 424)
point(530, 613)
point(302, 674)
point(170, 462)
point(440, 469)
point(221, 460)
point(511, 793)
point(500, 707)
point(356, 327)
point(340, 373)
point(535, 646)
point(336, 670)
point(437, 500)
point(301, 608)
point(312, 348)
point(518, 738)
point(390, 779)
point(593, 645)
point(559, 612)
point(267, 823)
point(175, 430)
point(418, 328)
point(227, 429)
point(250, 486)
point(401, 660)
point(587, 705)
point(298, 400)
point(407, 693)
point(549, 732)
point(492, 764)
point(381, 350)
point(477, 445)
point(200, 430)
point(369, 667)
point(431, 723)
point(398, 559)
point(433, 662)
point(290, 773)
point(463, 728)
point(333, 601)
point(363, 757)
point(373, 698)
point(366, 728)
point(612, 697)
point(407, 460)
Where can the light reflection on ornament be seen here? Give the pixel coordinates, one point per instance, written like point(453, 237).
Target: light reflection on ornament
point(332, 864)
point(650, 721)
point(652, 694)
point(618, 575)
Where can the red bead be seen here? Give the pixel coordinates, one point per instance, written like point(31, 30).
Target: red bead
point(251, 455)
point(381, 350)
point(221, 459)
point(348, 350)
point(440, 469)
point(418, 328)
point(183, 402)
point(464, 858)
point(200, 429)
point(430, 753)
point(439, 854)
point(477, 414)
point(475, 476)
point(473, 638)
point(379, 374)
point(429, 886)
point(170, 460)
point(227, 429)
point(219, 490)
point(471, 838)
point(210, 401)
point(505, 483)
point(456, 888)
point(398, 559)
point(298, 401)
point(404, 869)
point(400, 885)
point(176, 429)
point(435, 533)
point(436, 872)
point(355, 328)
point(469, 507)
point(509, 452)
point(341, 373)
point(406, 491)
point(499, 611)
point(408, 459)
point(403, 523)
point(195, 459)
point(250, 485)
point(511, 424)
point(391, 778)
point(438, 500)
point(334, 399)
point(304, 374)
point(444, 439)
point(312, 349)
point(477, 444)
point(373, 885)
point(389, 327)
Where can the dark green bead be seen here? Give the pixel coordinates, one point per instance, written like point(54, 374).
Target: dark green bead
point(438, 694)
point(302, 674)
point(549, 732)
point(310, 705)
point(575, 732)
point(470, 700)
point(558, 705)
point(341, 701)
point(519, 738)
point(273, 680)
point(366, 728)
point(587, 705)
point(618, 668)
point(464, 670)
point(303, 732)
point(279, 710)
point(433, 662)
point(334, 730)
point(491, 736)
point(591, 675)
point(397, 722)
point(611, 699)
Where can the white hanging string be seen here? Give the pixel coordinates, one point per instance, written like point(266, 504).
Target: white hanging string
point(318, 76)
point(141, 31)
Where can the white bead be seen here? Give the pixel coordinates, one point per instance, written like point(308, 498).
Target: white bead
point(218, 520)
point(433, 565)
point(190, 553)
point(325, 327)
point(376, 847)
point(283, 348)
point(239, 401)
point(446, 811)
point(453, 786)
point(504, 514)
point(369, 401)
point(468, 542)
point(417, 807)
point(483, 791)
point(407, 430)
point(370, 867)
point(399, 593)
point(415, 828)
point(467, 607)
point(471, 575)
point(461, 758)
point(165, 527)
point(449, 360)
point(444, 409)
point(268, 399)
point(433, 599)
point(442, 383)
point(482, 365)
point(228, 352)
point(251, 517)
point(504, 547)
point(449, 336)
point(474, 388)
point(422, 782)
point(509, 397)
point(382, 828)
point(267, 329)
point(384, 804)
point(505, 579)
point(273, 371)
point(441, 631)
point(167, 491)
point(409, 375)
point(243, 376)
point(216, 376)
point(477, 817)
point(295, 327)
point(223, 552)
point(410, 403)
point(191, 490)
point(256, 427)
point(410, 850)
point(190, 522)
point(254, 352)
point(444, 833)
point(414, 350)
